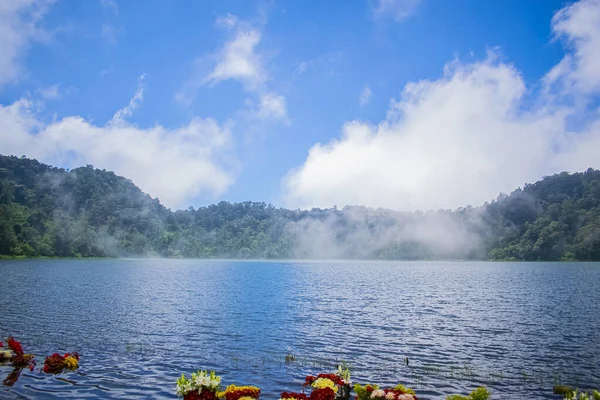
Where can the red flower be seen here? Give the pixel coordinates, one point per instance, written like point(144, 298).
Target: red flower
point(1, 344)
point(54, 364)
point(194, 395)
point(15, 346)
point(31, 367)
point(333, 377)
point(322, 394)
point(309, 380)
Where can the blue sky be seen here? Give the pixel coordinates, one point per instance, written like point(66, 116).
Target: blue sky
point(390, 88)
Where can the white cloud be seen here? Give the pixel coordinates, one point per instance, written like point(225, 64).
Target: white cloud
point(240, 60)
point(579, 24)
point(174, 164)
point(463, 138)
point(365, 96)
point(19, 27)
point(110, 5)
point(271, 107)
point(397, 9)
point(121, 115)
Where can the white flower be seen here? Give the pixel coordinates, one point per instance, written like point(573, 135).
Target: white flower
point(202, 380)
point(377, 393)
point(183, 388)
point(344, 373)
point(390, 396)
point(214, 383)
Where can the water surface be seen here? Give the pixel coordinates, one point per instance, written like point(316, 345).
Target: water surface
point(518, 328)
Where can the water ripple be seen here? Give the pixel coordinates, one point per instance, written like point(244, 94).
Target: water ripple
point(517, 328)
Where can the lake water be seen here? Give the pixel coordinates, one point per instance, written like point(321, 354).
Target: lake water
point(518, 328)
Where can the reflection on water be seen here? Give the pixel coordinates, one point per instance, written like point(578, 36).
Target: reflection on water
point(518, 328)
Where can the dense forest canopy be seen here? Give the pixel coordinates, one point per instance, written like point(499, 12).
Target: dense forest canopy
point(87, 212)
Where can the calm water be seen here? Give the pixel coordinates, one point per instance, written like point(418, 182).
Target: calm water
point(518, 328)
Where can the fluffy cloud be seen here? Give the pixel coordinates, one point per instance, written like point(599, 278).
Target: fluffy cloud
point(240, 60)
point(19, 26)
point(272, 106)
point(579, 25)
point(464, 138)
point(174, 164)
point(397, 9)
point(365, 96)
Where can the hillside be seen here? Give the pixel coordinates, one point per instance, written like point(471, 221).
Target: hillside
point(86, 212)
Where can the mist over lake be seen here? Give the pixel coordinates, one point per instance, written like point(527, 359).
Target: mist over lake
point(518, 328)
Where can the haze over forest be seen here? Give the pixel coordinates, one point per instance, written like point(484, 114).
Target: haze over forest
point(87, 212)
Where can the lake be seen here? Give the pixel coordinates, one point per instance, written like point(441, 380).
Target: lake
point(518, 328)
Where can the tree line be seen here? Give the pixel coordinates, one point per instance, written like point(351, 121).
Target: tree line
point(87, 212)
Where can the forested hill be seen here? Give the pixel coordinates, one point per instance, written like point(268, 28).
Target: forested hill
point(86, 212)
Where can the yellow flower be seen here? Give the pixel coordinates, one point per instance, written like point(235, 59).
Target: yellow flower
point(323, 383)
point(246, 398)
point(71, 363)
point(5, 354)
point(249, 390)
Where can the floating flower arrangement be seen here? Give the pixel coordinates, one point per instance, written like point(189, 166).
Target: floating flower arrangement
point(13, 352)
point(293, 396)
point(329, 386)
point(56, 363)
point(234, 392)
point(343, 372)
point(373, 392)
point(203, 385)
